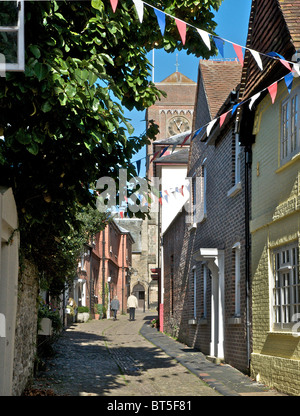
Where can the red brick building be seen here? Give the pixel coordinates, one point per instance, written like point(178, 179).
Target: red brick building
point(205, 251)
point(105, 268)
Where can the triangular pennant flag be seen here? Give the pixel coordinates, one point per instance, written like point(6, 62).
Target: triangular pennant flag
point(222, 118)
point(289, 81)
point(281, 59)
point(181, 26)
point(197, 132)
point(205, 37)
point(161, 18)
point(122, 214)
point(296, 68)
point(164, 151)
point(219, 44)
point(174, 147)
point(186, 138)
point(139, 5)
point(239, 53)
point(210, 126)
point(138, 166)
point(166, 192)
point(181, 190)
point(273, 91)
point(166, 198)
point(234, 108)
point(154, 156)
point(253, 99)
point(257, 58)
point(114, 4)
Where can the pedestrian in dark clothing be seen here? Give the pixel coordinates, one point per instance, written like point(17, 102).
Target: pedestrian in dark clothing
point(115, 305)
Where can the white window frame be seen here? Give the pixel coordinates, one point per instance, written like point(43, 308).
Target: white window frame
point(286, 287)
point(237, 172)
point(195, 294)
point(20, 64)
point(205, 285)
point(290, 126)
point(237, 273)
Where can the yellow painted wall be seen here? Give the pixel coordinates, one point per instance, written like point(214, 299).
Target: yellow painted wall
point(275, 221)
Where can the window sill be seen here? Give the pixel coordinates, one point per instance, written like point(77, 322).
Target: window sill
point(286, 333)
point(234, 190)
point(192, 321)
point(290, 162)
point(235, 320)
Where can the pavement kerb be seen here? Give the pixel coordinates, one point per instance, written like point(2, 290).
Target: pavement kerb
point(218, 386)
point(171, 347)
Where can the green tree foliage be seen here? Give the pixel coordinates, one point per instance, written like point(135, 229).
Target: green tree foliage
point(62, 119)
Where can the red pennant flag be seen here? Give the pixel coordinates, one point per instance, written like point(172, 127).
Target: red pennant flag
point(273, 91)
point(239, 53)
point(222, 118)
point(185, 140)
point(160, 201)
point(181, 190)
point(155, 155)
point(286, 64)
point(121, 214)
point(114, 4)
point(181, 26)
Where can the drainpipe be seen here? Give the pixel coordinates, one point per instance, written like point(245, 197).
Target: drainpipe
point(248, 163)
point(123, 238)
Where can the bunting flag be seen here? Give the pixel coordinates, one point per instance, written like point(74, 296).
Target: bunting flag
point(273, 91)
point(138, 166)
point(296, 68)
point(289, 81)
point(161, 19)
point(210, 126)
point(181, 190)
point(154, 156)
point(253, 99)
point(164, 151)
point(234, 108)
point(139, 5)
point(205, 37)
point(281, 59)
point(122, 214)
point(114, 4)
point(196, 133)
point(181, 26)
point(174, 147)
point(219, 44)
point(239, 53)
point(257, 58)
point(187, 137)
point(222, 118)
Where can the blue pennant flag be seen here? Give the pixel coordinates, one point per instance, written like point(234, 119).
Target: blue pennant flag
point(219, 44)
point(161, 18)
point(197, 132)
point(289, 81)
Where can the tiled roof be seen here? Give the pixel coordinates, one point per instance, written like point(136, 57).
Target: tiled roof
point(177, 77)
point(219, 79)
point(291, 12)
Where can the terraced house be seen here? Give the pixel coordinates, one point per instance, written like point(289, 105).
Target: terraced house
point(275, 207)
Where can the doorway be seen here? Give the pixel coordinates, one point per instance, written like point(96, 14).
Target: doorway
point(139, 293)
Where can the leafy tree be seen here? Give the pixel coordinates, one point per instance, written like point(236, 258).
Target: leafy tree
point(62, 121)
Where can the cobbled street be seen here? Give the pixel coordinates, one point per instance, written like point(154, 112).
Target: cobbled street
point(111, 358)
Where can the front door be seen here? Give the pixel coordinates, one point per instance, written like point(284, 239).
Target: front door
point(139, 293)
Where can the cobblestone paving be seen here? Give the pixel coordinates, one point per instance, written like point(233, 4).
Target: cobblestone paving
point(111, 358)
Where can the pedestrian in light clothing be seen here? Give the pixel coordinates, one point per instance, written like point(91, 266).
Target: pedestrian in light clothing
point(132, 304)
point(115, 305)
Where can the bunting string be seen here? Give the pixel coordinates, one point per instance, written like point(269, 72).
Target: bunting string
point(207, 37)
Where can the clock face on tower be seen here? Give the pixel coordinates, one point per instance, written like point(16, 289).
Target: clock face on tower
point(178, 125)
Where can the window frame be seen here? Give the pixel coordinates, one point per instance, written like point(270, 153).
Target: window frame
point(236, 249)
point(285, 287)
point(290, 127)
point(19, 66)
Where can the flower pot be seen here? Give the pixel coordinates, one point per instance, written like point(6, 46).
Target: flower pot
point(97, 316)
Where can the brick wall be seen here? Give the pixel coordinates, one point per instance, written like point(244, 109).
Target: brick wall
point(223, 227)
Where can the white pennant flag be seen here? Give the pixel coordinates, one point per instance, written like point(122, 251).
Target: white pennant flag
point(253, 99)
point(296, 68)
point(210, 126)
point(139, 5)
point(205, 37)
point(257, 58)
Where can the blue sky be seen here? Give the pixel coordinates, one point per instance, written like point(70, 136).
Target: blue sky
point(232, 24)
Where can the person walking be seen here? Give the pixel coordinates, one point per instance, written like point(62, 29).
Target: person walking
point(132, 304)
point(115, 306)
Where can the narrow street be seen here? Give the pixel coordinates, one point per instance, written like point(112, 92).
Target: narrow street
point(111, 358)
point(124, 358)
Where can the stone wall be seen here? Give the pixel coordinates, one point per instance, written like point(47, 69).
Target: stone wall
point(26, 328)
